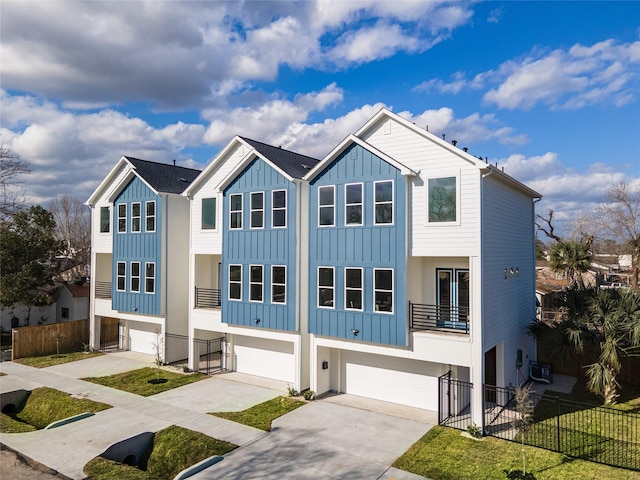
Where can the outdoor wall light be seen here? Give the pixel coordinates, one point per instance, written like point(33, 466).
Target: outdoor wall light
point(517, 271)
point(506, 273)
point(325, 365)
point(257, 320)
point(135, 309)
point(355, 332)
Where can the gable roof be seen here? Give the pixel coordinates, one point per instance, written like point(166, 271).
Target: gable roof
point(78, 291)
point(163, 177)
point(294, 164)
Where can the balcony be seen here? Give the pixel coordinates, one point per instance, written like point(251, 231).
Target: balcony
point(207, 298)
point(438, 318)
point(103, 290)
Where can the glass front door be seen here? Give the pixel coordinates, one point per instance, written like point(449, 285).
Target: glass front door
point(453, 297)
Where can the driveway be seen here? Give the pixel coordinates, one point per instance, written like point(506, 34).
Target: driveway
point(322, 439)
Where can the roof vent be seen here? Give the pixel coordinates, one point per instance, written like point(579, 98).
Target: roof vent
point(182, 179)
point(465, 149)
point(454, 142)
point(305, 166)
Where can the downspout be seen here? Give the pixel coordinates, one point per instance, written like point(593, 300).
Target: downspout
point(165, 269)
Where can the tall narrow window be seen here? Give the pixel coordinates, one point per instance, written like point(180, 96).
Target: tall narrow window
point(105, 220)
point(326, 206)
point(150, 277)
point(136, 215)
point(383, 290)
point(257, 210)
point(383, 197)
point(151, 216)
point(122, 218)
point(353, 288)
point(121, 276)
point(353, 204)
point(235, 211)
point(326, 287)
point(278, 284)
point(256, 283)
point(208, 214)
point(442, 200)
point(279, 208)
point(135, 276)
point(235, 282)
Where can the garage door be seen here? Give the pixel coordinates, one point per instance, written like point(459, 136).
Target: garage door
point(265, 358)
point(142, 337)
point(397, 380)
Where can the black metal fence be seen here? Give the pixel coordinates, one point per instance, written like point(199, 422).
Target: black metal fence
point(207, 298)
point(211, 354)
point(111, 337)
point(438, 317)
point(454, 402)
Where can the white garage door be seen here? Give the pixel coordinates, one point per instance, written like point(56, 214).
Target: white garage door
point(142, 337)
point(265, 358)
point(397, 380)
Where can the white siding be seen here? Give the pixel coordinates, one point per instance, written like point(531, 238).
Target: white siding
point(177, 265)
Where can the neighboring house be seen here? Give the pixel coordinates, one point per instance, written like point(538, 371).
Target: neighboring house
point(139, 255)
point(72, 302)
point(248, 215)
point(17, 316)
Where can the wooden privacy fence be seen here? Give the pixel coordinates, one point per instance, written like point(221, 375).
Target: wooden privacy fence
point(43, 339)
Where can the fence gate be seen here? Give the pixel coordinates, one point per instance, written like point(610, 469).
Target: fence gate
point(211, 354)
point(454, 402)
point(111, 335)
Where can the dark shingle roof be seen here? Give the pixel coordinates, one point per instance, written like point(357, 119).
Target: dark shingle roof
point(163, 177)
point(294, 164)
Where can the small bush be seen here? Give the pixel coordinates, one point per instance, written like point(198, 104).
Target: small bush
point(309, 395)
point(292, 391)
point(474, 430)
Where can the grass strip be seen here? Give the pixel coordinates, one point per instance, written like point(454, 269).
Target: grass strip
point(140, 381)
point(51, 360)
point(261, 415)
point(444, 454)
point(47, 405)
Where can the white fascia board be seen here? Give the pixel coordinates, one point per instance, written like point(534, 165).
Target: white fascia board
point(333, 154)
point(125, 181)
point(108, 180)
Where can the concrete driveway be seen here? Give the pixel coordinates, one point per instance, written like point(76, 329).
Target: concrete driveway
point(323, 439)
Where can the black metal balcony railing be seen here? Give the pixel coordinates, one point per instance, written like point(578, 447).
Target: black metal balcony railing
point(207, 298)
point(103, 289)
point(439, 318)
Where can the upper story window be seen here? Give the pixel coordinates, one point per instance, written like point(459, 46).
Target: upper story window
point(256, 283)
point(208, 220)
point(136, 215)
point(353, 204)
point(279, 208)
point(383, 202)
point(151, 216)
point(326, 206)
point(278, 284)
point(135, 276)
point(353, 288)
point(383, 290)
point(326, 287)
point(257, 210)
point(235, 282)
point(150, 277)
point(121, 276)
point(105, 219)
point(235, 211)
point(122, 218)
point(442, 200)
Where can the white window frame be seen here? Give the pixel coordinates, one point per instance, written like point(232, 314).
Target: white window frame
point(147, 277)
point(133, 277)
point(283, 285)
point(254, 210)
point(383, 290)
point(229, 282)
point(215, 214)
point(147, 216)
point(135, 217)
point(348, 288)
point(332, 287)
point(386, 202)
point(252, 283)
point(275, 209)
point(332, 205)
point(455, 175)
point(122, 219)
point(237, 212)
point(121, 276)
point(347, 205)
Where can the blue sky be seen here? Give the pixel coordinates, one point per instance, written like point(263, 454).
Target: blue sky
point(548, 90)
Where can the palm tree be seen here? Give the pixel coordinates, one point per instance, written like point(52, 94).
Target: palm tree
point(610, 323)
point(571, 257)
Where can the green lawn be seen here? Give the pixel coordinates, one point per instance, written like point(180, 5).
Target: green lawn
point(50, 360)
point(44, 406)
point(141, 381)
point(261, 415)
point(444, 454)
point(174, 449)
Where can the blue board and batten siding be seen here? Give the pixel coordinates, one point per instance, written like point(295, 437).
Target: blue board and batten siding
point(368, 246)
point(143, 247)
point(265, 246)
